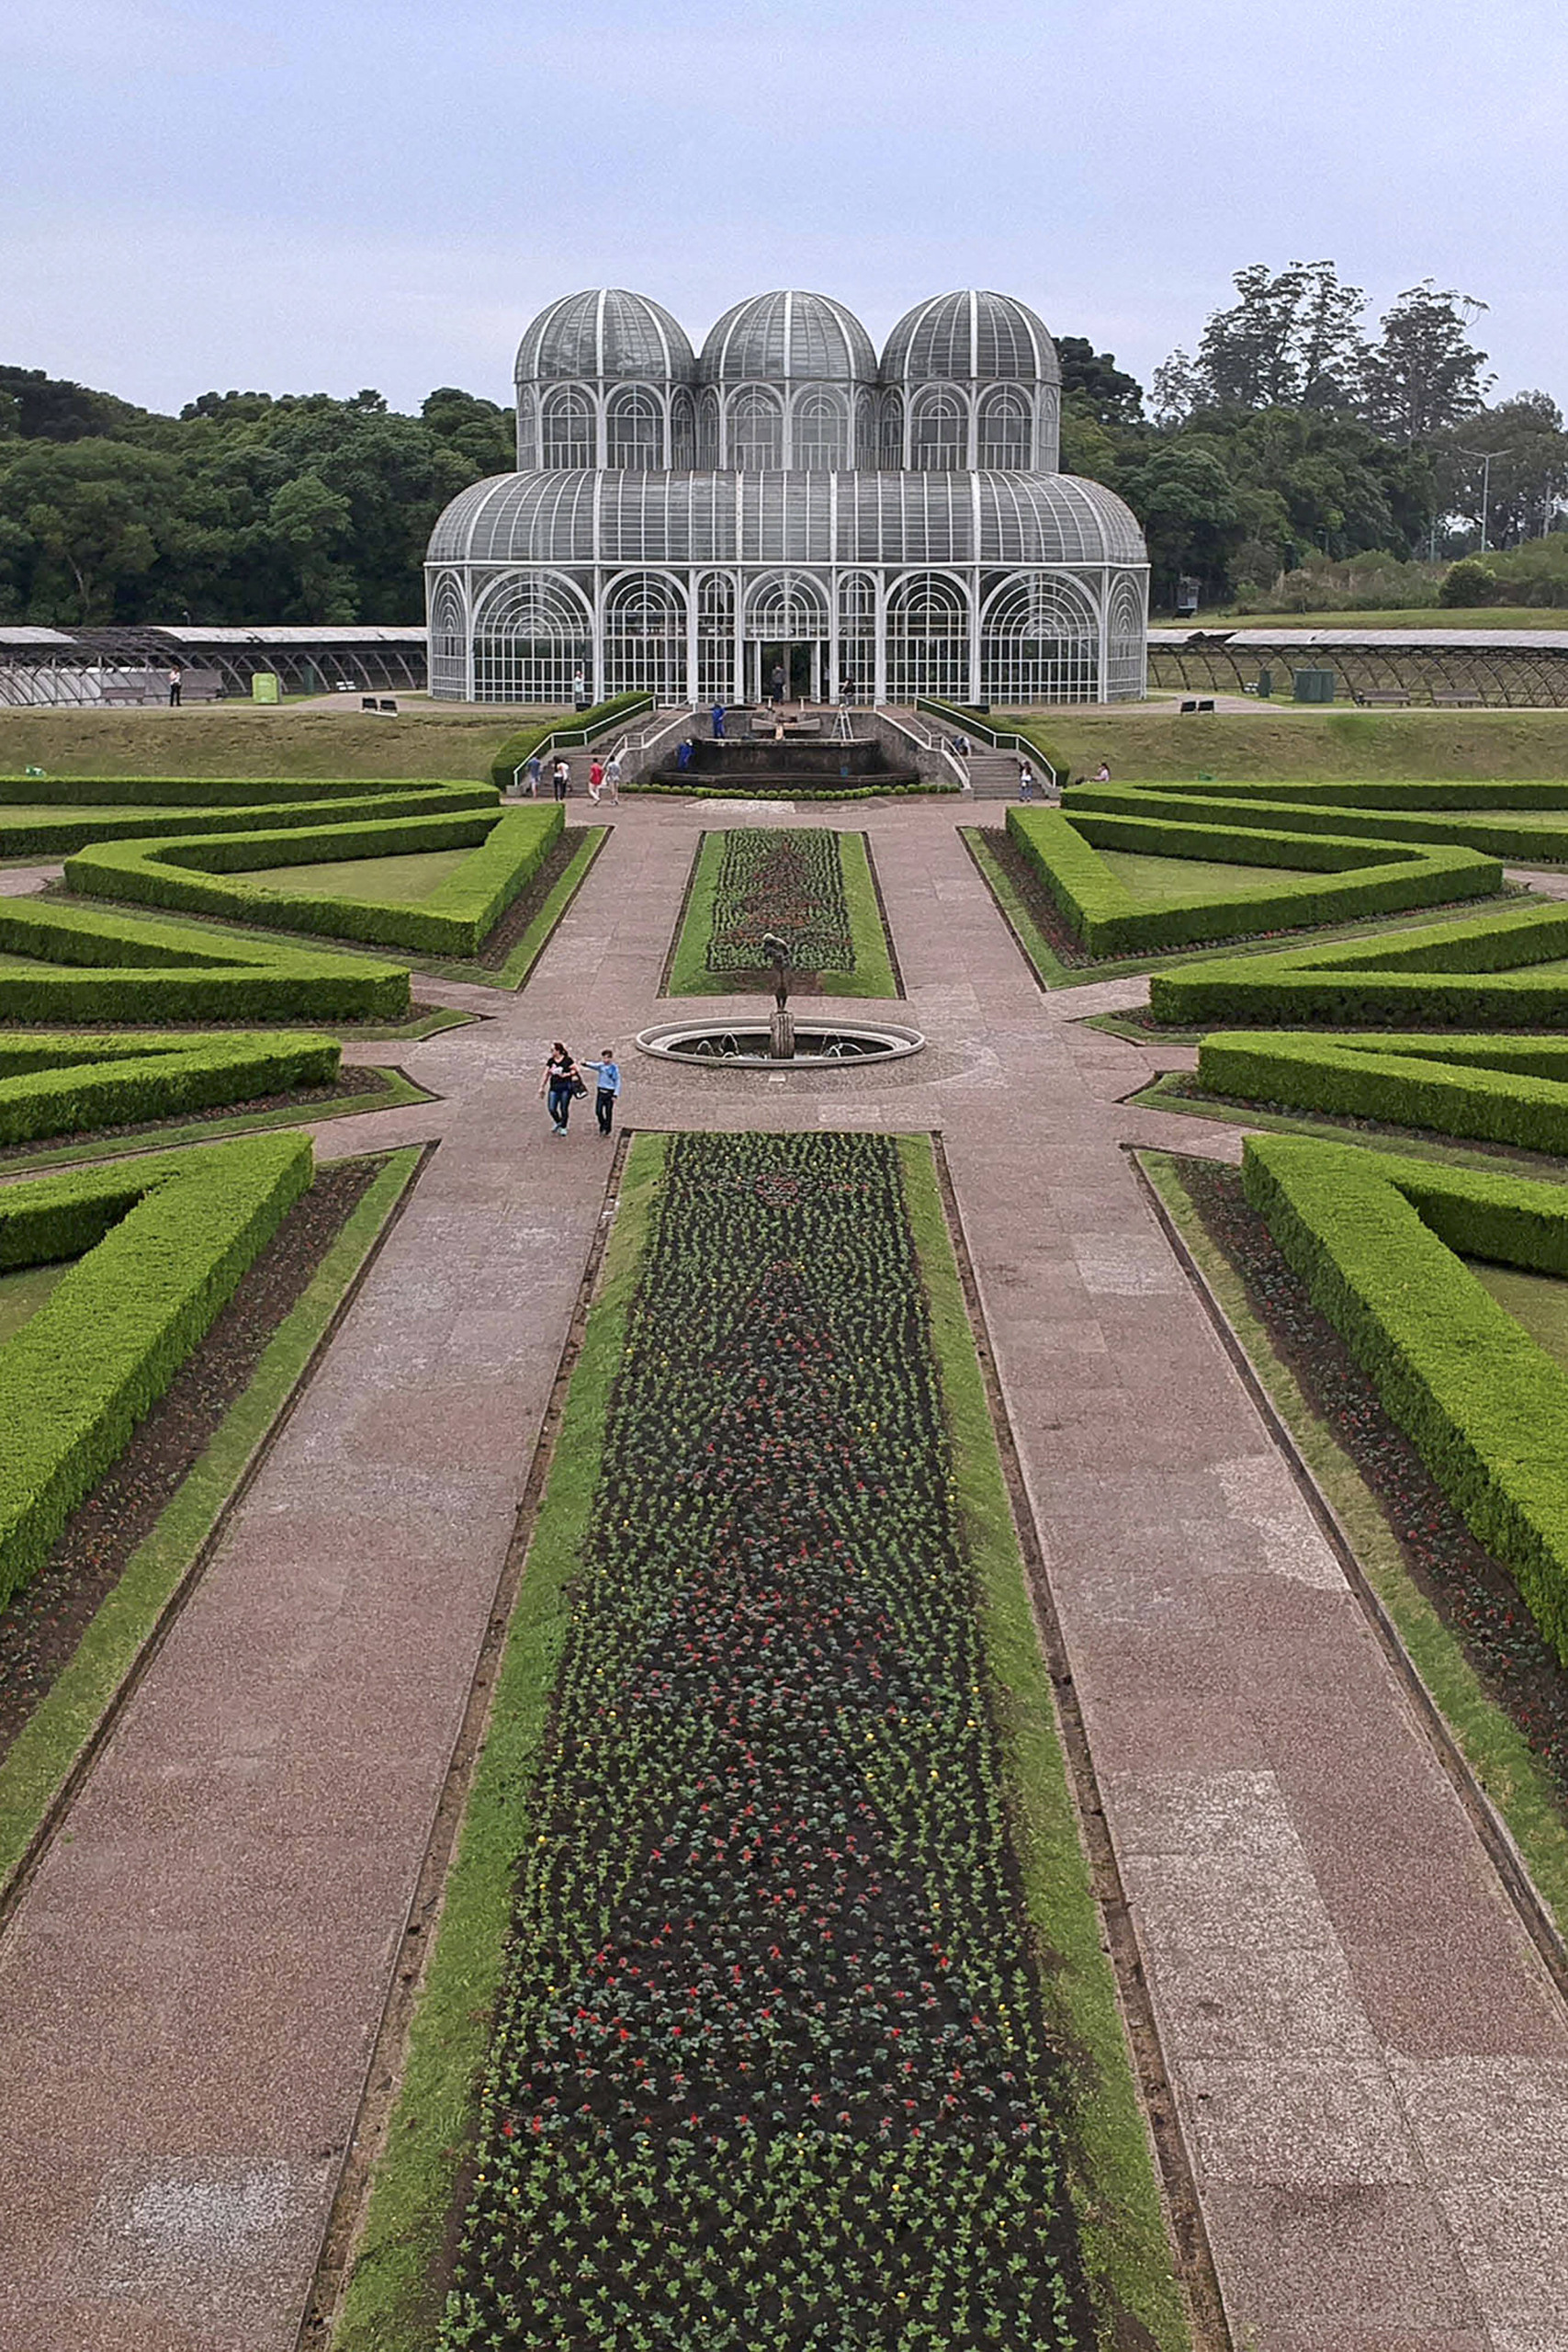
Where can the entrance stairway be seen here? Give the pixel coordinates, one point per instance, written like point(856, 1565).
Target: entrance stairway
point(993, 776)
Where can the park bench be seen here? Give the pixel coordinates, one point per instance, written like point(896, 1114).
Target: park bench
point(1392, 697)
point(1206, 704)
point(1448, 700)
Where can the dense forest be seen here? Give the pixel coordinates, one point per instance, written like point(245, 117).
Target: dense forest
point(1293, 460)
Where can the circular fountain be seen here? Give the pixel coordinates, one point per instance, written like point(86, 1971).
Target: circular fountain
point(752, 1045)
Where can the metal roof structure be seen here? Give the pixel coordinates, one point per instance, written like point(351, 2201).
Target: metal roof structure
point(788, 337)
point(605, 333)
point(968, 337)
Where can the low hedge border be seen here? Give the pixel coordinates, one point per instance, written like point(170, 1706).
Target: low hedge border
point(99, 965)
point(53, 1086)
point(1373, 1238)
point(1473, 974)
point(1109, 919)
point(163, 1242)
point(526, 741)
point(1492, 835)
point(155, 818)
point(209, 876)
point(1493, 1089)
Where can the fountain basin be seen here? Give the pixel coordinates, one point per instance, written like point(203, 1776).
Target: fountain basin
point(819, 1044)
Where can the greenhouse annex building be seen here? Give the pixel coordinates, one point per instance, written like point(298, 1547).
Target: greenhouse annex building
point(692, 524)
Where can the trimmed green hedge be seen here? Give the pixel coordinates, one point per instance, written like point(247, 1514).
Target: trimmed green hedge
point(98, 965)
point(455, 919)
point(1496, 835)
point(1496, 1089)
point(1110, 920)
point(224, 807)
point(1473, 974)
point(1373, 1236)
point(519, 747)
point(57, 1086)
point(166, 1240)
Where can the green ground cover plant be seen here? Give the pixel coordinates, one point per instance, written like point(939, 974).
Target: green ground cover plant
point(41, 1757)
point(162, 1242)
point(812, 886)
point(53, 1085)
point(771, 2066)
point(49, 821)
point(1378, 1241)
point(78, 965)
point(1498, 971)
point(1492, 1089)
point(1495, 819)
point(218, 876)
point(1302, 877)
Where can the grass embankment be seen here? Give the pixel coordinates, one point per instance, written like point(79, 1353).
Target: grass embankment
point(46, 1752)
point(1495, 1751)
point(1471, 616)
point(233, 739)
point(1151, 745)
point(393, 2298)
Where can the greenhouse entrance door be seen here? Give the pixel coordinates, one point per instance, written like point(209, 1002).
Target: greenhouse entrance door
point(805, 670)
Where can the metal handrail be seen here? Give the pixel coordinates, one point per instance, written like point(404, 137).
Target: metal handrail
point(996, 738)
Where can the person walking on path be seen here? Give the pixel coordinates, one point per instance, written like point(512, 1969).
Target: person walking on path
point(1025, 781)
point(613, 777)
point(176, 680)
point(560, 778)
point(532, 769)
point(607, 1072)
point(718, 722)
point(561, 1081)
point(595, 778)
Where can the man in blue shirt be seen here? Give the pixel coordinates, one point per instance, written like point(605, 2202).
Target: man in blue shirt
point(609, 1086)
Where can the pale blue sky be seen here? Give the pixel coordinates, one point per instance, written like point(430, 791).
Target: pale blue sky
point(198, 194)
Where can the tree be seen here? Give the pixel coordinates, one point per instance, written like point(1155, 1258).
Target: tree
point(1292, 340)
point(1092, 383)
point(1468, 582)
point(484, 435)
point(1528, 473)
point(48, 408)
point(1190, 514)
point(94, 514)
point(1425, 375)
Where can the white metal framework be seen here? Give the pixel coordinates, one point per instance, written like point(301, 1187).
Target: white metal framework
point(784, 505)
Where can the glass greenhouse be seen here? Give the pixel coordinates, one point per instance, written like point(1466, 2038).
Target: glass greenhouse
point(784, 505)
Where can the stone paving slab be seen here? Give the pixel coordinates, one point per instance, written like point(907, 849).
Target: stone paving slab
point(1370, 2065)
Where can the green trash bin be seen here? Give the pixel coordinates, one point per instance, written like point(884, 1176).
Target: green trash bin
point(263, 687)
point(1314, 686)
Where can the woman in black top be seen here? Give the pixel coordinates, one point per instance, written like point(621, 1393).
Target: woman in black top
point(561, 1080)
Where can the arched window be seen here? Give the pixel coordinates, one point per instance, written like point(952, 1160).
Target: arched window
point(1004, 434)
point(528, 431)
point(448, 640)
point(819, 434)
point(928, 638)
point(868, 430)
point(1128, 654)
point(645, 637)
point(786, 608)
point(892, 433)
point(938, 432)
point(683, 431)
point(1039, 642)
point(569, 427)
point(634, 431)
point(857, 636)
point(756, 430)
point(708, 430)
point(716, 638)
point(531, 637)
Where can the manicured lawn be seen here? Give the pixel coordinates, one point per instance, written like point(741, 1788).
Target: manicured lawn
point(23, 1292)
point(1165, 879)
point(1537, 1301)
point(402, 879)
point(1468, 616)
point(1151, 744)
point(231, 738)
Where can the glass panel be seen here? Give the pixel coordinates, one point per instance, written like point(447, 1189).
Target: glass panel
point(1004, 434)
point(819, 434)
point(568, 429)
point(645, 637)
point(1039, 642)
point(635, 433)
point(928, 638)
point(531, 638)
point(939, 433)
point(756, 430)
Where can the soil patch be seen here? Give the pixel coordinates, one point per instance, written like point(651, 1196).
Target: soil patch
point(43, 1623)
point(511, 931)
point(355, 1078)
point(1473, 1594)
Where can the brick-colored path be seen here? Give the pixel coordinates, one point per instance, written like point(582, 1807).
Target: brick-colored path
point(1371, 2066)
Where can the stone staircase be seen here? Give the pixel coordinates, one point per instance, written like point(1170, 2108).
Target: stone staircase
point(993, 776)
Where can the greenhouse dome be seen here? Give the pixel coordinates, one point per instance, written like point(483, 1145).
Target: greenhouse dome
point(687, 527)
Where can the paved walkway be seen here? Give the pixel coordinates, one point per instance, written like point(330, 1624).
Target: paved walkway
point(1369, 2064)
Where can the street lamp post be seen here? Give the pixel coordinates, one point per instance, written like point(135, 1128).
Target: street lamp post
point(1485, 457)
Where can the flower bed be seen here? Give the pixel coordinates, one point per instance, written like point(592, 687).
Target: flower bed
point(790, 883)
point(770, 2068)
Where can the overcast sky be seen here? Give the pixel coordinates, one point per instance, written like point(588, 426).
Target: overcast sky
point(200, 194)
